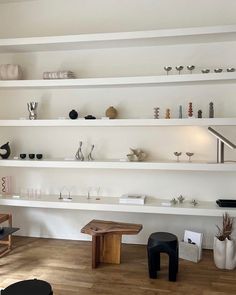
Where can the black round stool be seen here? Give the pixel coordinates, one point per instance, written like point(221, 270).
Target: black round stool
point(28, 287)
point(162, 242)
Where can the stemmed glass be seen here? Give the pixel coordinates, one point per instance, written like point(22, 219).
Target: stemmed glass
point(189, 156)
point(191, 68)
point(177, 154)
point(179, 68)
point(167, 69)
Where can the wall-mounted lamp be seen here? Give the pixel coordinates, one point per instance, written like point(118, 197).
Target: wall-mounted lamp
point(221, 141)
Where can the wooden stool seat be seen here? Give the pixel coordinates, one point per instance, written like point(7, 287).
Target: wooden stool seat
point(106, 239)
point(8, 241)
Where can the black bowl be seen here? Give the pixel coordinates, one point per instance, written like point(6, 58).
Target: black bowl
point(31, 156)
point(39, 156)
point(22, 156)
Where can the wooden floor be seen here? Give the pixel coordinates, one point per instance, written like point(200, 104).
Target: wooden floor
point(66, 265)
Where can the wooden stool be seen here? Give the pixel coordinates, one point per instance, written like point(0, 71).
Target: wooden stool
point(8, 241)
point(106, 239)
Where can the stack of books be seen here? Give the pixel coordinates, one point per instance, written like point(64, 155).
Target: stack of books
point(132, 199)
point(59, 75)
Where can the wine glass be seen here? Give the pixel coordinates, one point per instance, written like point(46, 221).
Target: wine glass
point(191, 68)
point(167, 69)
point(177, 154)
point(179, 68)
point(189, 156)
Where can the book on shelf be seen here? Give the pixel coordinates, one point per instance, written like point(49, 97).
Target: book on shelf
point(132, 199)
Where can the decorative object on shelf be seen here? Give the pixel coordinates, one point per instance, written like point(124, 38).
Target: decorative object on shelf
point(31, 156)
point(167, 69)
point(177, 154)
point(89, 117)
point(180, 112)
point(199, 114)
point(190, 110)
point(136, 155)
point(73, 114)
point(189, 156)
point(59, 75)
point(181, 199)
point(90, 157)
point(211, 110)
point(231, 70)
point(156, 113)
point(167, 116)
point(5, 151)
point(224, 247)
point(218, 70)
point(6, 183)
point(79, 154)
point(221, 141)
point(179, 68)
point(205, 71)
point(39, 156)
point(191, 246)
point(22, 156)
point(194, 203)
point(32, 107)
point(173, 201)
point(10, 72)
point(191, 68)
point(111, 113)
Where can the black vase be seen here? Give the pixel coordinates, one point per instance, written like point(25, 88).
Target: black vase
point(6, 147)
point(73, 114)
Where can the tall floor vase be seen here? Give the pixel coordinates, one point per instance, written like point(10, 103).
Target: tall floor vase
point(224, 254)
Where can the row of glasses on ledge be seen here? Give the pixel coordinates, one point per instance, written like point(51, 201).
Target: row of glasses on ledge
point(192, 67)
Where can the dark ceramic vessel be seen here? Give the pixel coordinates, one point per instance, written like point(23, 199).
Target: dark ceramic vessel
point(22, 156)
point(90, 117)
point(31, 156)
point(73, 114)
point(39, 156)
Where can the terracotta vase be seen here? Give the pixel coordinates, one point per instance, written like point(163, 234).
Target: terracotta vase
point(224, 253)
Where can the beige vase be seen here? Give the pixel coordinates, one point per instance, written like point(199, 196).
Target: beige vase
point(10, 72)
point(224, 253)
point(111, 113)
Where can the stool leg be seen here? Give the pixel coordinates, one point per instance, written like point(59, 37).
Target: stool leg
point(95, 251)
point(152, 264)
point(177, 259)
point(172, 266)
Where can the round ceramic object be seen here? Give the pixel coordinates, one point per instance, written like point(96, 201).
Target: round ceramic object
point(39, 156)
point(22, 156)
point(73, 114)
point(31, 156)
point(111, 113)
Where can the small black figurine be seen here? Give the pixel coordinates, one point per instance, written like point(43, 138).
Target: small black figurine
point(90, 117)
point(5, 147)
point(73, 114)
point(199, 114)
point(211, 110)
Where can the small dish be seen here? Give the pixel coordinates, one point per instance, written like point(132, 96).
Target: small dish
point(231, 70)
point(205, 71)
point(218, 70)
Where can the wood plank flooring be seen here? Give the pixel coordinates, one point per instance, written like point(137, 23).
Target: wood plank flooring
point(66, 265)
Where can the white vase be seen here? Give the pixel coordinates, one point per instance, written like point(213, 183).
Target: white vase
point(224, 254)
point(10, 72)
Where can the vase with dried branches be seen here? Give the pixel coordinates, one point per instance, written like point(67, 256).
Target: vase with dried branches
point(224, 246)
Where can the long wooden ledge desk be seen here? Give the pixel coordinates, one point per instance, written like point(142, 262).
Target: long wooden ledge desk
point(4, 233)
point(106, 239)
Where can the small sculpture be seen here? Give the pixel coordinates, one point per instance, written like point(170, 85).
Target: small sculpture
point(111, 113)
point(190, 110)
point(199, 114)
point(194, 202)
point(180, 112)
point(205, 71)
point(137, 155)
point(211, 110)
point(167, 114)
point(73, 114)
point(167, 69)
point(156, 113)
point(181, 199)
point(79, 155)
point(5, 154)
point(189, 156)
point(177, 154)
point(90, 117)
point(179, 68)
point(190, 68)
point(90, 158)
point(231, 70)
point(218, 70)
point(173, 202)
point(32, 106)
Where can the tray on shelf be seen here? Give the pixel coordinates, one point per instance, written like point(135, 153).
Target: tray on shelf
point(226, 203)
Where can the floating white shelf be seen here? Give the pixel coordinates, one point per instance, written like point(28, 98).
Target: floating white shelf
point(119, 122)
point(120, 39)
point(60, 163)
point(111, 204)
point(119, 81)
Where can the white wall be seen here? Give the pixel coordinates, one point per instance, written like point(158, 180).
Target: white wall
point(41, 18)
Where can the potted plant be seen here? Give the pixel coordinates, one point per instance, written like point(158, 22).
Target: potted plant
point(224, 246)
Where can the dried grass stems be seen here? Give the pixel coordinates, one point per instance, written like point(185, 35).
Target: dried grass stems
point(227, 228)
